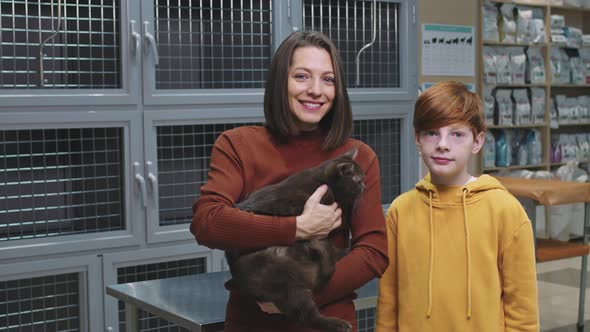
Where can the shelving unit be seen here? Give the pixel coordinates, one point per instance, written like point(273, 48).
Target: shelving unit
point(574, 16)
point(547, 249)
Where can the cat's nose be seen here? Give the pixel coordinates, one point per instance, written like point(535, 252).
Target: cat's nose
point(357, 178)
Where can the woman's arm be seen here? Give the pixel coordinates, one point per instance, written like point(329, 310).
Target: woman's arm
point(387, 299)
point(217, 224)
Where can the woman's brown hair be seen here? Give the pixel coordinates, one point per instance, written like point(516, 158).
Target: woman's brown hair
point(279, 119)
point(446, 103)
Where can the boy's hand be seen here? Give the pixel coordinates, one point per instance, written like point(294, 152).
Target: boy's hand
point(318, 220)
point(269, 308)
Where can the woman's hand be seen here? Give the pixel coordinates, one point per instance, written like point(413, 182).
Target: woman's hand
point(318, 220)
point(269, 308)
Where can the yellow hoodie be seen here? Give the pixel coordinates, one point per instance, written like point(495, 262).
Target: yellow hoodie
point(461, 259)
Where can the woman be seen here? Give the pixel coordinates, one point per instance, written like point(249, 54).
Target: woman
point(308, 120)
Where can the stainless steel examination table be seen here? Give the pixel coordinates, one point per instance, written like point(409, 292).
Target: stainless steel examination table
point(196, 302)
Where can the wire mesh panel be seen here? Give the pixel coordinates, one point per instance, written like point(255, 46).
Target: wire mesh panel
point(350, 25)
point(183, 164)
point(148, 322)
point(383, 136)
point(184, 152)
point(50, 303)
point(60, 44)
point(213, 44)
point(60, 181)
point(365, 319)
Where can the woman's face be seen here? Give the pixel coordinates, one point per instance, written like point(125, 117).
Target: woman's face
point(311, 87)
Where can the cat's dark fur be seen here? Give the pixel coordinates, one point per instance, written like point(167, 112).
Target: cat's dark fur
point(287, 276)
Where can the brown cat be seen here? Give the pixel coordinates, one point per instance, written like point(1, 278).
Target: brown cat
point(287, 276)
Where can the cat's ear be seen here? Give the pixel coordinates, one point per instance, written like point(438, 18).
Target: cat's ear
point(351, 153)
point(345, 168)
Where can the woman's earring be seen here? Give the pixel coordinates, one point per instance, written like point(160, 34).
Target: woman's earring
point(419, 149)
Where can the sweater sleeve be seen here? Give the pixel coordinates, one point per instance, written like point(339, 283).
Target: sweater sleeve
point(367, 258)
point(519, 281)
point(217, 224)
point(387, 299)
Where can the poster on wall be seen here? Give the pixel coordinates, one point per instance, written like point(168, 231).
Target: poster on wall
point(448, 50)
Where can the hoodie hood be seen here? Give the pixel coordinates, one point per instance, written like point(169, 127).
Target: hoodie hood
point(454, 194)
point(449, 196)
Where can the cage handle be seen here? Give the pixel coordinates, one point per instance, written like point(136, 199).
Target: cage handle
point(358, 55)
point(152, 41)
point(140, 182)
point(44, 42)
point(153, 180)
point(135, 37)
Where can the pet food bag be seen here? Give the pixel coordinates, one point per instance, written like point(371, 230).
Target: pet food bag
point(535, 66)
point(490, 22)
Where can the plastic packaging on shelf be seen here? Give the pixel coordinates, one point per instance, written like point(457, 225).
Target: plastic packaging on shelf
point(573, 3)
point(535, 65)
point(504, 104)
point(559, 73)
point(585, 59)
point(490, 22)
point(565, 67)
point(565, 217)
point(557, 22)
point(573, 36)
point(489, 102)
point(537, 105)
point(507, 24)
point(563, 109)
point(553, 116)
point(524, 19)
point(490, 71)
point(503, 149)
point(555, 149)
point(522, 107)
point(534, 147)
point(517, 64)
point(583, 110)
point(578, 71)
point(503, 66)
point(513, 147)
point(557, 30)
point(489, 150)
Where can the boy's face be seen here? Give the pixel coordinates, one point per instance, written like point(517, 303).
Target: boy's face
point(446, 152)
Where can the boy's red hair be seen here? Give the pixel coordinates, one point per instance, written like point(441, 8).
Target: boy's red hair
point(446, 103)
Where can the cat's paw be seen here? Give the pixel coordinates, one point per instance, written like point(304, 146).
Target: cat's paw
point(341, 326)
point(346, 327)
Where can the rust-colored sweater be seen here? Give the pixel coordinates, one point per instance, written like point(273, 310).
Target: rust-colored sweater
point(247, 158)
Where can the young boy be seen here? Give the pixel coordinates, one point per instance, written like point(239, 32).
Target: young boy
point(461, 248)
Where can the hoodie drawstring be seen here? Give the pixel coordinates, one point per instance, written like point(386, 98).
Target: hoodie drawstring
point(431, 267)
point(468, 254)
point(430, 270)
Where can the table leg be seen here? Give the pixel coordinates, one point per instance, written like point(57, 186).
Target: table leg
point(534, 221)
point(131, 318)
point(584, 269)
point(582, 293)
